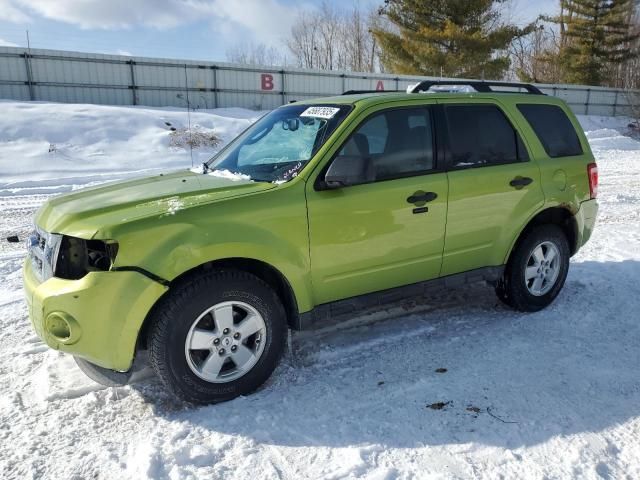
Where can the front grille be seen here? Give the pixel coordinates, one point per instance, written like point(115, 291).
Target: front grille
point(42, 248)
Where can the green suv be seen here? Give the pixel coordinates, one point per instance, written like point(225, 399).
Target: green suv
point(320, 209)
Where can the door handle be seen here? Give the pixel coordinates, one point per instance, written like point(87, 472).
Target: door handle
point(420, 198)
point(520, 182)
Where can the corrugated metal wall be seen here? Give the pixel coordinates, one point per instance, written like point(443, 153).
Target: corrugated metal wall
point(58, 76)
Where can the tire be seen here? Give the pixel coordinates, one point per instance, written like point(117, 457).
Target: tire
point(522, 291)
point(188, 321)
point(103, 376)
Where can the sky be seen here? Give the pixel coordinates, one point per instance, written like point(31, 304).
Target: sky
point(194, 29)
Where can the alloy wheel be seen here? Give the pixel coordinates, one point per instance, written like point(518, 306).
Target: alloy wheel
point(543, 268)
point(225, 341)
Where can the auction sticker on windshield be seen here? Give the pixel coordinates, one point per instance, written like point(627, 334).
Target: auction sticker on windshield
point(320, 112)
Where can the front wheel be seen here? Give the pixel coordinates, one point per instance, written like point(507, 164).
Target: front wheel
point(536, 271)
point(217, 336)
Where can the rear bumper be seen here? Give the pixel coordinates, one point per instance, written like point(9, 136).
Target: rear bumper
point(586, 220)
point(96, 318)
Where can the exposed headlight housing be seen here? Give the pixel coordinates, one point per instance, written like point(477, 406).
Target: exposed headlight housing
point(77, 257)
point(71, 258)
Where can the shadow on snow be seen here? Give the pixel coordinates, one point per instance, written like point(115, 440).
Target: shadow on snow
point(569, 369)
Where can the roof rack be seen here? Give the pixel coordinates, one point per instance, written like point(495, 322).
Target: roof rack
point(358, 92)
point(477, 85)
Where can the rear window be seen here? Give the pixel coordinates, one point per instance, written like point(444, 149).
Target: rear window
point(553, 128)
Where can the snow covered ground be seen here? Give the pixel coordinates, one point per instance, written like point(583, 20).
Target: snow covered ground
point(554, 394)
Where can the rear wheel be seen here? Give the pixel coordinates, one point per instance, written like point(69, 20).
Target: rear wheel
point(536, 271)
point(217, 336)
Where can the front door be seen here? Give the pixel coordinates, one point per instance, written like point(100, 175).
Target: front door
point(389, 231)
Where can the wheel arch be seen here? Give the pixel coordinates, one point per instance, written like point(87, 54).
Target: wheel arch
point(558, 215)
point(266, 272)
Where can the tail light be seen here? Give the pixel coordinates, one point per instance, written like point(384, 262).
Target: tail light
point(592, 172)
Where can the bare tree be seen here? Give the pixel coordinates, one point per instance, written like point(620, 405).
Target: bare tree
point(532, 56)
point(248, 53)
point(328, 48)
point(302, 41)
point(333, 38)
point(360, 48)
point(630, 77)
point(628, 74)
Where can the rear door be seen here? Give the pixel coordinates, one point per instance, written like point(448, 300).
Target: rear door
point(494, 187)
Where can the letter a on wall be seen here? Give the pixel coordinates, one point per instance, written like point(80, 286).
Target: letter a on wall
point(380, 86)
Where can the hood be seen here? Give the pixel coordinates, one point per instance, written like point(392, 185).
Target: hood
point(85, 212)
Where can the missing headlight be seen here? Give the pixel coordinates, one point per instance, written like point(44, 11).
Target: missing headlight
point(78, 257)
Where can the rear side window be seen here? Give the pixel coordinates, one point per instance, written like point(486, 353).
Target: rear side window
point(481, 135)
point(553, 128)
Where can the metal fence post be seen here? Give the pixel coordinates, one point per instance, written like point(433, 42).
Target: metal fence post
point(344, 83)
point(134, 100)
point(27, 66)
point(215, 85)
point(615, 103)
point(284, 90)
point(586, 108)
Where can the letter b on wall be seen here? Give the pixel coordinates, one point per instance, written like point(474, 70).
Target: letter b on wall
point(266, 81)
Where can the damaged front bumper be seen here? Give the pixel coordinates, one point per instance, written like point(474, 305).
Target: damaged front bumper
point(97, 317)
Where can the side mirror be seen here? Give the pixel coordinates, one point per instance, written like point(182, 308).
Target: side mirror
point(349, 170)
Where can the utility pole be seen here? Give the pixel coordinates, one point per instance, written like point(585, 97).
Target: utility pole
point(27, 63)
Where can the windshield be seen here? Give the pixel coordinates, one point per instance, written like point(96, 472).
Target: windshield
point(279, 145)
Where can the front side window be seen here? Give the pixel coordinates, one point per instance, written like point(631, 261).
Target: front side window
point(279, 145)
point(398, 143)
point(553, 128)
point(481, 135)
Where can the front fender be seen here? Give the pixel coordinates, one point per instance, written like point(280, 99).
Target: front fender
point(271, 228)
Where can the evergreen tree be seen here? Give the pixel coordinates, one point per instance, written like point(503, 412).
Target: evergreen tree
point(595, 37)
point(453, 38)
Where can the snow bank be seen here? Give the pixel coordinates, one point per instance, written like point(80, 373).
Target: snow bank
point(608, 133)
point(48, 148)
point(596, 122)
